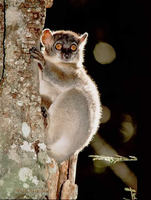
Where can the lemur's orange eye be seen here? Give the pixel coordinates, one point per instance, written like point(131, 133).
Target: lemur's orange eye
point(58, 46)
point(73, 47)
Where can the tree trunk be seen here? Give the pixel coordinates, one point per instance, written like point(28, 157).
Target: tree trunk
point(26, 171)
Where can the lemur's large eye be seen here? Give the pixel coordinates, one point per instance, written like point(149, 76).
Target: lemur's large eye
point(73, 47)
point(58, 46)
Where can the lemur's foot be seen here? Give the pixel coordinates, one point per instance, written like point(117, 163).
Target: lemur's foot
point(45, 115)
point(37, 55)
point(44, 111)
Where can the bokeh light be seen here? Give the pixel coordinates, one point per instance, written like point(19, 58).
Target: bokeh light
point(128, 127)
point(106, 114)
point(104, 53)
point(99, 166)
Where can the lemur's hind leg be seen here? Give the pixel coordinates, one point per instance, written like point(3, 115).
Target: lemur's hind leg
point(69, 128)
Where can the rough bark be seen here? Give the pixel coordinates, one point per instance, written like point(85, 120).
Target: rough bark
point(26, 171)
point(1, 36)
point(21, 122)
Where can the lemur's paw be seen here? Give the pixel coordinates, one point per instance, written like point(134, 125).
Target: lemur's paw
point(37, 55)
point(33, 49)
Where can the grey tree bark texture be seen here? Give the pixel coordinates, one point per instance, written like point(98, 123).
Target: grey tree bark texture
point(26, 171)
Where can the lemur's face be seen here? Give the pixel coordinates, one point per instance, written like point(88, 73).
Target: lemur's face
point(64, 46)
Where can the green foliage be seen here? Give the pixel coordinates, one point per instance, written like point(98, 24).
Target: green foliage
point(133, 193)
point(113, 159)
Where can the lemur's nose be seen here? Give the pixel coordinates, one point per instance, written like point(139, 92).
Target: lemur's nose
point(66, 55)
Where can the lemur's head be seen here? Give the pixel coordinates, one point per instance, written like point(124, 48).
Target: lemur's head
point(64, 46)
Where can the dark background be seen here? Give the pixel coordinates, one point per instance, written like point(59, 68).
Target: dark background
point(120, 83)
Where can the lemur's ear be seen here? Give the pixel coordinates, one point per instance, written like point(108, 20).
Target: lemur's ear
point(46, 37)
point(83, 38)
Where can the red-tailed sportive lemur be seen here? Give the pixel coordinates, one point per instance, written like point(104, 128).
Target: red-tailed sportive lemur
point(75, 111)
